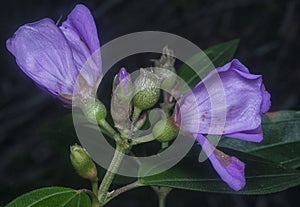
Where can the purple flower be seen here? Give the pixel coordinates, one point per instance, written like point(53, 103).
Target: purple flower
point(53, 56)
point(246, 101)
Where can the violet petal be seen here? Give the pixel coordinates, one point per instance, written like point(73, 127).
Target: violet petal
point(230, 169)
point(245, 102)
point(43, 53)
point(81, 33)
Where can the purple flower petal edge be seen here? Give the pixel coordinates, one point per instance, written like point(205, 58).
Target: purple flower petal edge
point(121, 76)
point(230, 169)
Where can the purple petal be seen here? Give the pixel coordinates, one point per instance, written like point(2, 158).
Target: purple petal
point(123, 79)
point(42, 52)
point(230, 169)
point(82, 23)
point(266, 102)
point(81, 33)
point(254, 135)
point(246, 100)
point(122, 76)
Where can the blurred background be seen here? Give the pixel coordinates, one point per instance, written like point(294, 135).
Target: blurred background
point(269, 33)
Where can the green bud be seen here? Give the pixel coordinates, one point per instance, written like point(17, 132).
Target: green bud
point(165, 130)
point(147, 85)
point(83, 163)
point(94, 109)
point(165, 69)
point(169, 80)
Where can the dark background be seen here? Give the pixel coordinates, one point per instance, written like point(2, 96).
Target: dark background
point(270, 40)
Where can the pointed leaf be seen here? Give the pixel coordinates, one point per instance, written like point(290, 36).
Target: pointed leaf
point(50, 197)
point(219, 55)
point(281, 141)
point(262, 176)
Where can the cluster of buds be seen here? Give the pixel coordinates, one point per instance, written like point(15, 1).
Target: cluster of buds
point(131, 99)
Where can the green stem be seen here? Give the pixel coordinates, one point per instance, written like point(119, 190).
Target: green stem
point(95, 202)
point(123, 189)
point(167, 105)
point(143, 139)
point(162, 194)
point(162, 201)
point(95, 186)
point(103, 123)
point(110, 174)
point(136, 114)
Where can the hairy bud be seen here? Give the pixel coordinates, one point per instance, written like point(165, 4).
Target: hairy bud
point(148, 91)
point(94, 109)
point(82, 163)
point(165, 130)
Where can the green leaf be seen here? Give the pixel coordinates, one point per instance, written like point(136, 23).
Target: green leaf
point(219, 55)
point(262, 176)
point(222, 53)
point(50, 197)
point(281, 143)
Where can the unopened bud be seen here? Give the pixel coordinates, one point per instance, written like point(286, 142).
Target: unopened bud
point(165, 69)
point(165, 130)
point(94, 109)
point(169, 79)
point(123, 84)
point(82, 163)
point(121, 99)
point(148, 91)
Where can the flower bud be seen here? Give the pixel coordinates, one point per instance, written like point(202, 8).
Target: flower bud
point(148, 91)
point(166, 70)
point(82, 163)
point(169, 79)
point(121, 99)
point(94, 109)
point(165, 130)
point(123, 84)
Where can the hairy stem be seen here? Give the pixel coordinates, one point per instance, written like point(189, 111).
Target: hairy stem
point(136, 114)
point(110, 174)
point(122, 190)
point(110, 130)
